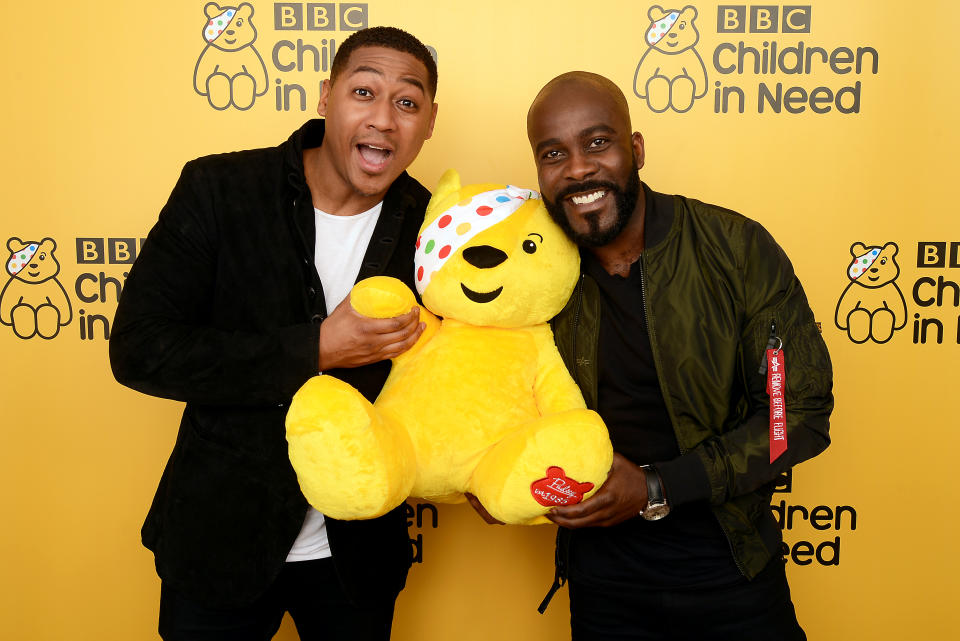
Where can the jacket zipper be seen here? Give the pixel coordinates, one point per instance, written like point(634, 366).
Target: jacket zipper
point(576, 320)
point(772, 343)
point(561, 556)
point(651, 335)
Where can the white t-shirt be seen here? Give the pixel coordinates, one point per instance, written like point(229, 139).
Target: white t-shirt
point(341, 244)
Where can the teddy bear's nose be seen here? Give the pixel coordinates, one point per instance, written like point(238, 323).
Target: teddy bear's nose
point(484, 256)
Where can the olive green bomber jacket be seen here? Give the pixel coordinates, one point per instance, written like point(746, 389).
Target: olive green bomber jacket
point(716, 286)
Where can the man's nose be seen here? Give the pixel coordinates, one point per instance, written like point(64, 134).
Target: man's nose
point(581, 166)
point(381, 116)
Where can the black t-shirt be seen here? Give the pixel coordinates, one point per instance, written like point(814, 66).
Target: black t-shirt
point(687, 548)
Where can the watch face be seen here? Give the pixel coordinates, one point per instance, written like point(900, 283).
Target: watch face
point(656, 512)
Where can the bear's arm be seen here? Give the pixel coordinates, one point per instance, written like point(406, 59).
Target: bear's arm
point(554, 388)
point(646, 68)
point(697, 72)
point(206, 65)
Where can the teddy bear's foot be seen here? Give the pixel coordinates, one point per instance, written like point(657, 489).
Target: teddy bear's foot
point(881, 325)
point(858, 325)
point(382, 297)
point(351, 462)
point(557, 460)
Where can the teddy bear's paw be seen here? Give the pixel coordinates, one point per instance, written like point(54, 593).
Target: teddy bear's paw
point(559, 459)
point(351, 463)
point(382, 297)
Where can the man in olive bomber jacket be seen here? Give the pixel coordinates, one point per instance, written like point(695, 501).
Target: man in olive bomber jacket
point(677, 335)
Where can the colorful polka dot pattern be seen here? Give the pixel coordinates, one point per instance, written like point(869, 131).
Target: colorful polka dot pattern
point(20, 258)
point(661, 27)
point(215, 26)
point(451, 231)
point(862, 263)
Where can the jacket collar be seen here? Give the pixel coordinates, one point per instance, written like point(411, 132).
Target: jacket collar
point(397, 203)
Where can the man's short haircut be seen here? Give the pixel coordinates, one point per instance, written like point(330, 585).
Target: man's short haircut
point(391, 38)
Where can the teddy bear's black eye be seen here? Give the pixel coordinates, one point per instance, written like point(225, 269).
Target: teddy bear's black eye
point(529, 246)
point(43, 255)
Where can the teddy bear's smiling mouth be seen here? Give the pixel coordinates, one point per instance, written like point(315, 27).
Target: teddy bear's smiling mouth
point(480, 297)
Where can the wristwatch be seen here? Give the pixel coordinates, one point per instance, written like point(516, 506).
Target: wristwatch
point(657, 506)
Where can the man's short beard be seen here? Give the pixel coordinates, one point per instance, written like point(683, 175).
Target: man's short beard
point(625, 201)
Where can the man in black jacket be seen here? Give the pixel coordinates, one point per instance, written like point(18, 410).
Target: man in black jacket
point(234, 302)
point(677, 335)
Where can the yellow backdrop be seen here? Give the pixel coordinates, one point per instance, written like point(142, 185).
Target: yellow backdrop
point(848, 138)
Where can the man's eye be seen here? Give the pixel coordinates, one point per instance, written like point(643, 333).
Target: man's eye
point(407, 103)
point(597, 142)
point(551, 155)
point(360, 91)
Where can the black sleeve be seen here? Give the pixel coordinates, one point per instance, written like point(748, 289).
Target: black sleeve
point(163, 340)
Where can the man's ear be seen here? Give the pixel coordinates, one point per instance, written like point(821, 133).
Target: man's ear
point(324, 97)
point(639, 154)
point(433, 121)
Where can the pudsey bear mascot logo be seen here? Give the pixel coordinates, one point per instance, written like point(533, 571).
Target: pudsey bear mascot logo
point(872, 306)
point(671, 74)
point(230, 71)
point(33, 302)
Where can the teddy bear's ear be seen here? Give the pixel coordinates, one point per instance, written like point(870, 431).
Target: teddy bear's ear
point(692, 12)
point(50, 243)
point(858, 249)
point(449, 183)
point(448, 186)
point(655, 13)
point(895, 249)
point(246, 6)
point(15, 242)
point(212, 10)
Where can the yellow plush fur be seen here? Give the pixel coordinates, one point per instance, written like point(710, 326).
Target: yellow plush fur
point(481, 404)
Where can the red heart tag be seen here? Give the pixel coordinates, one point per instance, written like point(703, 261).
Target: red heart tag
point(558, 489)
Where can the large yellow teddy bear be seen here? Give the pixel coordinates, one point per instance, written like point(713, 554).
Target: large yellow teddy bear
point(482, 403)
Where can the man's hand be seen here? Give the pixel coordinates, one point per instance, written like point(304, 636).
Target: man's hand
point(482, 511)
point(622, 496)
point(349, 339)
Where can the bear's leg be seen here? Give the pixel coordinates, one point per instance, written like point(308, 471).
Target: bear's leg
point(881, 326)
point(351, 461)
point(244, 90)
point(24, 320)
point(858, 325)
point(658, 93)
point(218, 90)
point(682, 91)
point(48, 320)
point(551, 461)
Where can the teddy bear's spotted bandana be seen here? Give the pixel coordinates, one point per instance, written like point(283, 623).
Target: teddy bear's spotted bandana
point(862, 263)
point(20, 258)
point(661, 27)
point(455, 227)
point(217, 24)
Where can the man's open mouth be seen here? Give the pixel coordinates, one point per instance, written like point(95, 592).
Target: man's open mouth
point(374, 156)
point(480, 297)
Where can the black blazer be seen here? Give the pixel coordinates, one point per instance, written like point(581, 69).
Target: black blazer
point(222, 310)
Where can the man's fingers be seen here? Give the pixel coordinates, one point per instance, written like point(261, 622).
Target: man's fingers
point(403, 323)
point(392, 350)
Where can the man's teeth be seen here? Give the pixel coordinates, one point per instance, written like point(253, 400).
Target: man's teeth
point(374, 154)
point(589, 198)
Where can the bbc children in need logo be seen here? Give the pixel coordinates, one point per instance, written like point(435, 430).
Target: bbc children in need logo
point(764, 61)
point(230, 71)
point(873, 306)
